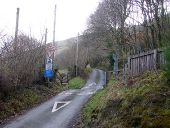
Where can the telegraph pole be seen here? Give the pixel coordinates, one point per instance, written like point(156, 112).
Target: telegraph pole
point(77, 50)
point(45, 42)
point(54, 25)
point(16, 30)
point(54, 31)
point(46, 32)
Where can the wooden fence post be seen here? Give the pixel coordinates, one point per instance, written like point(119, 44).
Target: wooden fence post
point(129, 67)
point(115, 68)
point(142, 62)
point(125, 74)
point(155, 59)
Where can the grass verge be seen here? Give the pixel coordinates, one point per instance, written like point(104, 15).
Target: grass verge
point(96, 103)
point(25, 98)
point(145, 104)
point(76, 83)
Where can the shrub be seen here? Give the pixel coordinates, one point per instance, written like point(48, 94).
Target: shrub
point(87, 70)
point(20, 66)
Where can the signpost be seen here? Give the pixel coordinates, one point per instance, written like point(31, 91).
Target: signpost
point(50, 51)
point(48, 69)
point(48, 73)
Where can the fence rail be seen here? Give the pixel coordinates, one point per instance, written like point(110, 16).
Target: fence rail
point(140, 63)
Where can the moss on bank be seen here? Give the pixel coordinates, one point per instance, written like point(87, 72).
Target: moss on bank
point(145, 104)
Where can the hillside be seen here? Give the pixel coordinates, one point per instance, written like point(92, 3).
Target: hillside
point(145, 103)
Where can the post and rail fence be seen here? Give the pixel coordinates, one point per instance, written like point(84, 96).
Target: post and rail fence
point(138, 64)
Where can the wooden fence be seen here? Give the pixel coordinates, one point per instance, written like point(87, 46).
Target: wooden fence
point(140, 63)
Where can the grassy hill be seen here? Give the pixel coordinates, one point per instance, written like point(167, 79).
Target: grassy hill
point(143, 104)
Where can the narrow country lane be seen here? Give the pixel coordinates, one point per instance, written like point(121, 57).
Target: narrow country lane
point(59, 111)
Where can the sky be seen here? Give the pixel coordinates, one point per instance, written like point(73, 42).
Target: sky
point(36, 15)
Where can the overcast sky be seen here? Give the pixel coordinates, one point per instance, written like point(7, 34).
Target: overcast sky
point(36, 15)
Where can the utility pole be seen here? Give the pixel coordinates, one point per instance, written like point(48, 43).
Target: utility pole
point(54, 25)
point(46, 32)
point(45, 42)
point(16, 30)
point(54, 32)
point(77, 50)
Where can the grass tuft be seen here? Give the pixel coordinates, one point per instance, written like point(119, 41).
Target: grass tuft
point(76, 83)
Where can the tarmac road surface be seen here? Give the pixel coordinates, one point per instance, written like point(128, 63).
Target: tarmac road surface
point(59, 111)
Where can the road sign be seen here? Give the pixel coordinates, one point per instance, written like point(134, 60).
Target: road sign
point(48, 69)
point(48, 65)
point(48, 73)
point(50, 50)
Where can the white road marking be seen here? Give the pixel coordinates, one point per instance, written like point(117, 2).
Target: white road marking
point(66, 93)
point(62, 93)
point(85, 87)
point(65, 103)
point(86, 93)
point(91, 84)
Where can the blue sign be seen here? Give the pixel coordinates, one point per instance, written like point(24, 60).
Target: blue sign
point(48, 73)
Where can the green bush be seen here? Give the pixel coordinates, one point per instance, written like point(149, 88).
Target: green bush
point(87, 70)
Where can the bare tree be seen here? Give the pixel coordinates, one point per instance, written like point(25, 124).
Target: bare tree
point(22, 66)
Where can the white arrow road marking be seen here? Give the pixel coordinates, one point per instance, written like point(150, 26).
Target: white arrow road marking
point(55, 108)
